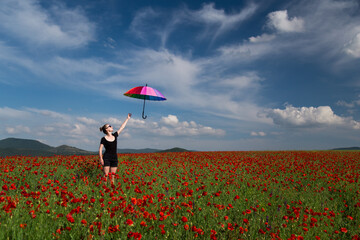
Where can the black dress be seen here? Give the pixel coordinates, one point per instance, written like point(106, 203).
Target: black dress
point(110, 155)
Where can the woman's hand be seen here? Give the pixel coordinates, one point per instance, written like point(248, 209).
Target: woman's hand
point(102, 162)
point(129, 116)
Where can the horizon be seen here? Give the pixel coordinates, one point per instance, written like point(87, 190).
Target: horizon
point(26, 139)
point(237, 75)
point(176, 147)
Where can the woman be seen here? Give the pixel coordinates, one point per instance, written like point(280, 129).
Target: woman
point(110, 160)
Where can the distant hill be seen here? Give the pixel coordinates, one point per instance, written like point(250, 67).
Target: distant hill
point(23, 144)
point(150, 150)
point(176, 149)
point(68, 150)
point(348, 148)
point(145, 150)
point(28, 147)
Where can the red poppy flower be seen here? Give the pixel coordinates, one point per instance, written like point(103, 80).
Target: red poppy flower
point(70, 218)
point(129, 222)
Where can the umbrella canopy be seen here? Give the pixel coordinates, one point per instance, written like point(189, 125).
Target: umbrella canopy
point(146, 93)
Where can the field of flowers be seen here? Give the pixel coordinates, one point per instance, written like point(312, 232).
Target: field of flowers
point(200, 195)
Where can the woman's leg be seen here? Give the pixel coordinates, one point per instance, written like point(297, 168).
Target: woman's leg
point(113, 171)
point(106, 171)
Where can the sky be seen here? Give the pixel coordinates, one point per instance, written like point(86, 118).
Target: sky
point(237, 75)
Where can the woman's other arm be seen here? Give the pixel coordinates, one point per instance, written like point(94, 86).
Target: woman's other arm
point(101, 154)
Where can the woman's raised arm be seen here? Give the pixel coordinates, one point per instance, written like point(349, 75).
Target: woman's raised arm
point(124, 124)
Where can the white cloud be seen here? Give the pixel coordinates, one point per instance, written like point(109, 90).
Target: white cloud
point(17, 129)
point(170, 120)
point(171, 126)
point(262, 38)
point(214, 22)
point(80, 129)
point(138, 123)
point(243, 82)
point(91, 73)
point(219, 20)
point(248, 51)
point(163, 66)
point(87, 121)
point(309, 117)
point(111, 43)
point(49, 129)
point(353, 47)
point(6, 113)
point(351, 104)
point(57, 26)
point(139, 24)
point(258, 134)
point(48, 113)
point(280, 21)
point(90, 66)
point(13, 58)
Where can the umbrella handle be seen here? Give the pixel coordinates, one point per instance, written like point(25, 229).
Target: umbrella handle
point(144, 117)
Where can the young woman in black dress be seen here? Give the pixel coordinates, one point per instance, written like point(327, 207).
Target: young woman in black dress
point(109, 159)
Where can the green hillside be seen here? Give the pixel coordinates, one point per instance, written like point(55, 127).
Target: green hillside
point(176, 149)
point(347, 148)
point(28, 147)
point(18, 143)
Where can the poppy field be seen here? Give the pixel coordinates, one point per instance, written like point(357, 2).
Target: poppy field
point(191, 195)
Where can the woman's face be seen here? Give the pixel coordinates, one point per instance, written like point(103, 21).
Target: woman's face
point(109, 128)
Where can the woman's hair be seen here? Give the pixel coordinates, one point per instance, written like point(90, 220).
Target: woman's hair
point(103, 129)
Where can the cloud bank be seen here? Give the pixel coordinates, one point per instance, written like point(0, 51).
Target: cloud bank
point(281, 22)
point(60, 128)
point(58, 26)
point(310, 117)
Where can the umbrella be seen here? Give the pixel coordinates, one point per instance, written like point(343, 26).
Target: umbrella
point(146, 93)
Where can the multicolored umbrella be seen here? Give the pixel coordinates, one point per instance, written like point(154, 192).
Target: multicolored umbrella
point(146, 93)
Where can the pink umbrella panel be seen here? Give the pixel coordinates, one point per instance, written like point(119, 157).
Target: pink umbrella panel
point(146, 93)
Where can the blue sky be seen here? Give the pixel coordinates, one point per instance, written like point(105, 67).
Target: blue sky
point(237, 75)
